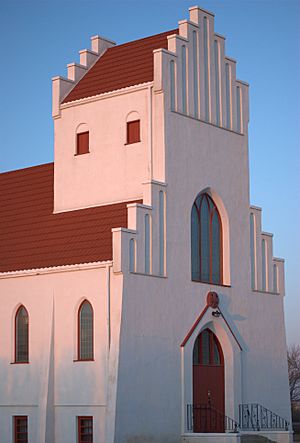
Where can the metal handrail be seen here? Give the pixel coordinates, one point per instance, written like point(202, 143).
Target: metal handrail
point(255, 417)
point(208, 415)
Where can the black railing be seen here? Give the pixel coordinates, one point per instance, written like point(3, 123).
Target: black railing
point(205, 418)
point(255, 417)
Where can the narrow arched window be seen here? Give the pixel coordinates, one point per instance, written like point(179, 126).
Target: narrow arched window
point(132, 254)
point(275, 279)
point(184, 95)
point(21, 335)
point(206, 237)
point(217, 80)
point(161, 233)
point(172, 85)
point(85, 331)
point(195, 72)
point(238, 110)
point(206, 68)
point(252, 251)
point(147, 244)
point(228, 95)
point(264, 265)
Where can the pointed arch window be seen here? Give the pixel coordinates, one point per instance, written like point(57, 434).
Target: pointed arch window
point(21, 335)
point(85, 331)
point(207, 350)
point(206, 238)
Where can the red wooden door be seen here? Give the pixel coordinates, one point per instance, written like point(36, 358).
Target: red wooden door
point(208, 384)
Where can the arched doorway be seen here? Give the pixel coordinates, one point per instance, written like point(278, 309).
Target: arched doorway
point(208, 384)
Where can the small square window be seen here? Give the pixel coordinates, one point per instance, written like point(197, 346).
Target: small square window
point(133, 132)
point(85, 429)
point(21, 429)
point(82, 143)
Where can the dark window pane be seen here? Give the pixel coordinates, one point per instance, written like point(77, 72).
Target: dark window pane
point(196, 352)
point(86, 332)
point(207, 350)
point(21, 335)
point(198, 201)
point(133, 132)
point(85, 429)
point(216, 251)
point(205, 337)
point(204, 217)
point(20, 430)
point(82, 143)
point(195, 245)
point(217, 358)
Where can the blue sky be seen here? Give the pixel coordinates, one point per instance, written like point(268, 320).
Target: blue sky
point(39, 38)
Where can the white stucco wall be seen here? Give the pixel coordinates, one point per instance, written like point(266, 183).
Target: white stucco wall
point(158, 312)
point(53, 389)
point(112, 171)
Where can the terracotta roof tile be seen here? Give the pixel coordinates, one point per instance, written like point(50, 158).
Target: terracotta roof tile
point(121, 66)
point(31, 236)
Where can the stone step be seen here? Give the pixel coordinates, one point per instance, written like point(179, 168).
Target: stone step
point(250, 438)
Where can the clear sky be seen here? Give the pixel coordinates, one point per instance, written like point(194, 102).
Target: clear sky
point(39, 38)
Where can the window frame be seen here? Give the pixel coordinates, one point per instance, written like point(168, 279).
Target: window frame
point(15, 424)
point(15, 333)
point(128, 142)
point(79, 435)
point(210, 202)
point(78, 134)
point(79, 332)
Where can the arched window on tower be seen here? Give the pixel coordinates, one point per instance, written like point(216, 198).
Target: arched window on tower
point(206, 238)
point(85, 331)
point(21, 335)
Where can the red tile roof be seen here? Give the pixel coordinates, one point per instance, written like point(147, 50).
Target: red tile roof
point(121, 66)
point(31, 236)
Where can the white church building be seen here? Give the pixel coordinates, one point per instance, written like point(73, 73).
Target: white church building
point(140, 299)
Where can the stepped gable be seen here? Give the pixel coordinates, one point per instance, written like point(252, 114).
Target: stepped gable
point(31, 236)
point(121, 66)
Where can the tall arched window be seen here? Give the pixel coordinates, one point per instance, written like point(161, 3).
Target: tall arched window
point(21, 335)
point(206, 241)
point(85, 331)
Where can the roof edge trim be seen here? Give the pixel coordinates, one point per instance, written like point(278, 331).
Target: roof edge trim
point(56, 269)
point(108, 94)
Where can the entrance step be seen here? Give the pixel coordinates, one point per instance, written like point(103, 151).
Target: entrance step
point(250, 438)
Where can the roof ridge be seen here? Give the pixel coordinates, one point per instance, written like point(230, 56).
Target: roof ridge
point(160, 34)
point(116, 68)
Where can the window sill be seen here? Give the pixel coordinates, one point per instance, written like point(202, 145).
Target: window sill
point(132, 143)
point(208, 366)
point(19, 363)
point(211, 284)
point(265, 292)
point(82, 360)
point(83, 153)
